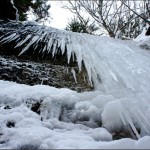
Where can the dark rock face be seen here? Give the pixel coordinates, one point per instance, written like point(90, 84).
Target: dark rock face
point(32, 73)
point(7, 11)
point(148, 31)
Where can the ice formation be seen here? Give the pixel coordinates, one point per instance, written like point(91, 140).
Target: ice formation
point(110, 64)
point(120, 72)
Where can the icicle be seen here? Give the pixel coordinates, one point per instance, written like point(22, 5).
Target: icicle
point(34, 39)
point(88, 68)
point(54, 49)
point(67, 70)
point(49, 45)
point(41, 37)
point(140, 122)
point(44, 49)
point(69, 50)
point(8, 38)
point(74, 74)
point(130, 122)
point(144, 121)
point(122, 118)
point(143, 116)
point(23, 41)
point(73, 55)
point(84, 78)
point(63, 43)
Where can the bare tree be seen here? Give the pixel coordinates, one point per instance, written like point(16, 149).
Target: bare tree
point(120, 18)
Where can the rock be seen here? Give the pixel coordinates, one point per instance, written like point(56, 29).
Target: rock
point(125, 132)
point(32, 73)
point(5, 76)
point(10, 124)
point(36, 107)
point(121, 134)
point(148, 31)
point(7, 107)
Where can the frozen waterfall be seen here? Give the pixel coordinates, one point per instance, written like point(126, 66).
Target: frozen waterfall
point(111, 64)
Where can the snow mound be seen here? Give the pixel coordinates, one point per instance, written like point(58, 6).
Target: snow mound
point(67, 119)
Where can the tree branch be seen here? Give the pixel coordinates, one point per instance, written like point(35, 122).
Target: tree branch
point(146, 20)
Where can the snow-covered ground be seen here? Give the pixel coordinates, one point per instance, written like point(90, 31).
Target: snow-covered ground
point(67, 119)
point(23, 128)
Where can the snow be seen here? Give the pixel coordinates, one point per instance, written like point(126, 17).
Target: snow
point(70, 120)
point(143, 40)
